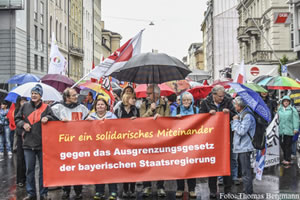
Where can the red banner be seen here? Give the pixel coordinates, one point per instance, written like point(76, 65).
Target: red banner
point(124, 150)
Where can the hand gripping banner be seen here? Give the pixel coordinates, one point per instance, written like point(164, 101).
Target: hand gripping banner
point(144, 149)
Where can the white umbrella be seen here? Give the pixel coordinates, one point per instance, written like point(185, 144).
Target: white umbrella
point(49, 93)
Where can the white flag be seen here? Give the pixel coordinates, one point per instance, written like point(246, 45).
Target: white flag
point(119, 58)
point(57, 61)
point(241, 77)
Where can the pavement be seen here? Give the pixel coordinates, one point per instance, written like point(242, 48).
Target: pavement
point(278, 182)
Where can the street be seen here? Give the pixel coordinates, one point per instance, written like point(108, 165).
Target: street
point(277, 179)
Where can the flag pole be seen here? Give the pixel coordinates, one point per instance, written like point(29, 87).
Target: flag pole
point(106, 72)
point(75, 84)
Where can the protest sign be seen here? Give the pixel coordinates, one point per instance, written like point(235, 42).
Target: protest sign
point(144, 149)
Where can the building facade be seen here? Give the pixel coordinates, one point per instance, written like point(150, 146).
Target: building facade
point(76, 52)
point(220, 32)
point(263, 37)
point(195, 56)
point(110, 41)
point(97, 32)
point(88, 36)
point(23, 36)
point(58, 24)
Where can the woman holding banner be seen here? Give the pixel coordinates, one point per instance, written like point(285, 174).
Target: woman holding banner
point(127, 109)
point(186, 107)
point(102, 112)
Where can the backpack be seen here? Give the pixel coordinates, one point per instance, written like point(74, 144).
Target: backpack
point(259, 138)
point(178, 110)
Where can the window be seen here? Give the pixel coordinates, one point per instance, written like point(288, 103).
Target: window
point(36, 62)
point(42, 39)
point(65, 35)
point(65, 6)
point(36, 37)
point(60, 31)
point(50, 26)
point(42, 12)
point(35, 10)
point(42, 63)
point(56, 29)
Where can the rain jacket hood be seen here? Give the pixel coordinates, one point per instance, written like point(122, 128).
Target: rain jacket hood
point(288, 118)
point(183, 110)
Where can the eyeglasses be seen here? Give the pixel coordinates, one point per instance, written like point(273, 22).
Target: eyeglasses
point(149, 93)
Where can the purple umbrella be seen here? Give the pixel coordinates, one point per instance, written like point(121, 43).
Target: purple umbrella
point(58, 81)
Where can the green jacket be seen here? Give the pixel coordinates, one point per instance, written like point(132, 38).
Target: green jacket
point(288, 119)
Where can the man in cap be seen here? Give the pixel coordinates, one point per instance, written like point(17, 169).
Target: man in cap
point(29, 118)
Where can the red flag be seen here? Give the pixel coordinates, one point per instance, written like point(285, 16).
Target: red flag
point(119, 58)
point(205, 82)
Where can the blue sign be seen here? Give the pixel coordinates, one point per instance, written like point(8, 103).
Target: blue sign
point(283, 69)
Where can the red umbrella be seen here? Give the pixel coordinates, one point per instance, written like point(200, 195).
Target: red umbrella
point(200, 92)
point(141, 90)
point(224, 83)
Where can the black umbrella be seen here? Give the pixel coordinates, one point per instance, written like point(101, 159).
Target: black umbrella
point(152, 68)
point(199, 75)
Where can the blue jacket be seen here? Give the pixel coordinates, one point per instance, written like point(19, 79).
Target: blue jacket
point(241, 140)
point(288, 119)
point(3, 118)
point(183, 110)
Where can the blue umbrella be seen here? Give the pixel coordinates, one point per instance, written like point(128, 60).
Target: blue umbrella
point(253, 100)
point(11, 97)
point(23, 78)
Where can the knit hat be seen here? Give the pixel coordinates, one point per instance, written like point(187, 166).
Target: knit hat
point(38, 89)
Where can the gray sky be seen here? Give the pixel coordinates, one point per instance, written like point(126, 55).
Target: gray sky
point(177, 22)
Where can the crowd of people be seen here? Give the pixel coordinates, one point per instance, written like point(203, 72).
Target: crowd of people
point(21, 133)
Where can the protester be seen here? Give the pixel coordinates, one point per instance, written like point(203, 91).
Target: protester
point(4, 131)
point(218, 101)
point(127, 109)
point(32, 139)
point(70, 110)
point(21, 169)
point(243, 126)
point(272, 105)
point(172, 102)
point(102, 112)
point(186, 107)
point(288, 127)
point(117, 95)
point(154, 106)
point(126, 90)
point(89, 100)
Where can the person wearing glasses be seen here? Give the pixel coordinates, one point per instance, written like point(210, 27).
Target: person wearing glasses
point(154, 106)
point(218, 101)
point(70, 110)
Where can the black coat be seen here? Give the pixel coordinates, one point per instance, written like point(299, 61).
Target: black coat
point(208, 104)
point(33, 115)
